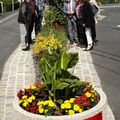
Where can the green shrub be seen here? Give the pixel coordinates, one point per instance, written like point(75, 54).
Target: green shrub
point(52, 15)
point(59, 33)
point(7, 5)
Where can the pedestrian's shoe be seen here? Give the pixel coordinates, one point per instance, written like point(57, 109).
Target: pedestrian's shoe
point(90, 47)
point(25, 49)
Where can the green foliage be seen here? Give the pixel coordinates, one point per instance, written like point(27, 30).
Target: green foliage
point(59, 33)
point(8, 5)
point(8, 1)
point(53, 15)
point(53, 67)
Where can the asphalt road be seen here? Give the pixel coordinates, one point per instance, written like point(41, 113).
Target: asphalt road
point(106, 57)
point(9, 39)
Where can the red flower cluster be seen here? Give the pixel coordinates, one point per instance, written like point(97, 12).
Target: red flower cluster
point(33, 108)
point(83, 101)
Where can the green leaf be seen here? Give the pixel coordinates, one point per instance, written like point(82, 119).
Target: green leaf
point(73, 59)
point(58, 85)
point(64, 59)
point(60, 101)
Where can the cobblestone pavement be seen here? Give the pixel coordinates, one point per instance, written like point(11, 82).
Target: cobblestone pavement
point(19, 72)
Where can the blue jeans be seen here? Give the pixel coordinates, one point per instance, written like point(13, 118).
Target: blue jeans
point(72, 29)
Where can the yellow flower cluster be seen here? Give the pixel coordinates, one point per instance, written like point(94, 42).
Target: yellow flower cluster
point(25, 100)
point(43, 105)
point(31, 87)
point(42, 43)
point(70, 107)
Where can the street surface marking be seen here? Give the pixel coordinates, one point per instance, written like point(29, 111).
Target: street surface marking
point(6, 18)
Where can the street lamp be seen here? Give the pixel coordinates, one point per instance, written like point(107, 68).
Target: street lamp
point(12, 5)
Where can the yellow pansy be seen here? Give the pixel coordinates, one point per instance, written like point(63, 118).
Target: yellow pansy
point(66, 101)
point(51, 103)
point(46, 102)
point(46, 111)
point(20, 101)
point(29, 100)
point(72, 100)
point(62, 106)
point(91, 84)
point(32, 86)
point(41, 110)
point(76, 107)
point(33, 97)
point(40, 103)
point(80, 110)
point(67, 105)
point(25, 104)
point(24, 97)
point(71, 112)
point(88, 94)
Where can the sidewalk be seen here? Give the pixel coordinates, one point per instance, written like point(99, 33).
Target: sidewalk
point(19, 72)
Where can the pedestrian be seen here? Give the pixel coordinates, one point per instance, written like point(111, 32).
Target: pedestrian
point(26, 18)
point(79, 22)
point(96, 17)
point(69, 10)
point(88, 23)
point(38, 15)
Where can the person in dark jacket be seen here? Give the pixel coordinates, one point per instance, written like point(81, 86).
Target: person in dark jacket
point(79, 22)
point(88, 23)
point(26, 17)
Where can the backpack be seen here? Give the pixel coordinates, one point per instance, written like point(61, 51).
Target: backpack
point(94, 9)
point(23, 13)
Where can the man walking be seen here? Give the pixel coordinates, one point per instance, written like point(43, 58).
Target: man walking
point(69, 10)
point(26, 19)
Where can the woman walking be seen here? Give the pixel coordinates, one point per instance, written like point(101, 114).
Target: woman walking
point(88, 23)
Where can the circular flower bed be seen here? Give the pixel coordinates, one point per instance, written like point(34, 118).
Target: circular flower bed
point(35, 100)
